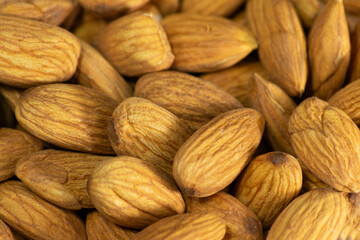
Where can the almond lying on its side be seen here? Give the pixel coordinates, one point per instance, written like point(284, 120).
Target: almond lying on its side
point(5, 232)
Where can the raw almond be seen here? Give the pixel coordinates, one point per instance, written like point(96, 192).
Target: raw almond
point(5, 232)
point(167, 6)
point(327, 141)
point(194, 101)
point(207, 7)
point(152, 10)
point(89, 26)
point(35, 53)
point(310, 181)
point(352, 6)
point(307, 10)
point(70, 116)
point(11, 95)
point(351, 230)
point(354, 70)
point(133, 193)
point(216, 153)
point(241, 20)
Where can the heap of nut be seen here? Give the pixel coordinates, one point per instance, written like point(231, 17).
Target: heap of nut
point(179, 119)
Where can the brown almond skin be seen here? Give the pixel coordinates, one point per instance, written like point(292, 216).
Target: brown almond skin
point(167, 6)
point(89, 26)
point(142, 129)
point(38, 219)
point(223, 8)
point(186, 226)
point(351, 6)
point(327, 141)
point(150, 51)
point(49, 53)
point(318, 214)
point(216, 153)
point(329, 50)
point(351, 227)
point(95, 72)
point(70, 116)
point(206, 43)
point(59, 177)
point(99, 228)
point(276, 107)
point(307, 10)
point(282, 43)
point(354, 70)
point(14, 145)
point(120, 190)
point(11, 95)
point(241, 222)
point(5, 232)
point(194, 101)
point(268, 184)
point(310, 181)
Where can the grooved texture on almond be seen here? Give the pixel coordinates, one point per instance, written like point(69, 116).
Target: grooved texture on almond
point(282, 43)
point(318, 214)
point(14, 145)
point(70, 116)
point(329, 50)
point(351, 228)
point(187, 226)
point(240, 221)
point(194, 101)
point(167, 6)
point(328, 142)
point(208, 7)
point(269, 184)
point(354, 71)
point(5, 232)
point(307, 10)
point(133, 193)
point(142, 129)
point(60, 177)
point(216, 153)
point(35, 217)
point(135, 44)
point(34, 53)
point(206, 43)
point(95, 72)
point(310, 181)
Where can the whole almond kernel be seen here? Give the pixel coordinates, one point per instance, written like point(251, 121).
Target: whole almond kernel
point(351, 228)
point(39, 219)
point(307, 10)
point(11, 95)
point(208, 7)
point(194, 101)
point(135, 44)
point(187, 226)
point(167, 6)
point(216, 153)
point(152, 10)
point(206, 43)
point(282, 43)
point(5, 232)
point(142, 129)
point(354, 70)
point(352, 6)
point(14, 145)
point(268, 184)
point(95, 72)
point(59, 177)
point(327, 141)
point(133, 193)
point(241, 222)
point(318, 214)
point(310, 181)
point(35, 53)
point(70, 116)
point(99, 228)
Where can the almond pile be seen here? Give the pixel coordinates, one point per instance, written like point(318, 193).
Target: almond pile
point(179, 119)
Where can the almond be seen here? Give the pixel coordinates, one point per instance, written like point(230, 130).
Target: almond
point(310, 181)
point(140, 128)
point(167, 6)
point(216, 153)
point(352, 6)
point(327, 141)
point(135, 44)
point(206, 43)
point(354, 70)
point(282, 43)
point(7, 118)
point(351, 228)
point(89, 26)
point(194, 101)
point(133, 193)
point(241, 20)
point(38, 219)
point(69, 116)
point(35, 53)
point(152, 10)
point(207, 7)
point(5, 232)
point(186, 226)
point(307, 10)
point(11, 95)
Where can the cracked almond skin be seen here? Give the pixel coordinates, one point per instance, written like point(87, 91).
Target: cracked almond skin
point(191, 99)
point(307, 10)
point(167, 6)
point(354, 70)
point(59, 177)
point(39, 219)
point(135, 44)
point(276, 107)
point(142, 129)
point(5, 232)
point(69, 116)
point(206, 43)
point(268, 184)
point(11, 95)
point(223, 8)
point(329, 50)
point(96, 72)
point(133, 193)
point(216, 153)
point(240, 221)
point(14, 145)
point(34, 53)
point(99, 228)
point(327, 141)
point(187, 226)
point(319, 214)
point(282, 43)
